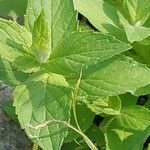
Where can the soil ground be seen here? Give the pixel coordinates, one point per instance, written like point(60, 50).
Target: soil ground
point(11, 135)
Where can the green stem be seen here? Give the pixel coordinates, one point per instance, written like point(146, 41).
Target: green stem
point(75, 98)
point(35, 146)
point(87, 140)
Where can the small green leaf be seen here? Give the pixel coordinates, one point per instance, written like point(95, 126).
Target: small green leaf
point(134, 32)
point(143, 90)
point(106, 106)
point(129, 129)
point(138, 10)
point(43, 97)
point(41, 46)
point(96, 135)
point(59, 13)
point(128, 99)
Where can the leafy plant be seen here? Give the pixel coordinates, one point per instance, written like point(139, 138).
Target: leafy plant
point(58, 71)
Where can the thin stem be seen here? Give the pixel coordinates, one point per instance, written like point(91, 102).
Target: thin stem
point(35, 146)
point(75, 98)
point(87, 140)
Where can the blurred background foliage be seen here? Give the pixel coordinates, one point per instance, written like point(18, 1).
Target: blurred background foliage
point(12, 8)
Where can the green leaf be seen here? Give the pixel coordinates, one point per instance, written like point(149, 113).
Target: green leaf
point(135, 32)
point(106, 106)
point(59, 13)
point(10, 75)
point(129, 129)
point(147, 104)
point(102, 15)
point(42, 98)
point(138, 10)
point(143, 90)
point(131, 14)
point(27, 64)
point(15, 40)
point(128, 99)
point(117, 75)
point(96, 135)
point(82, 49)
point(140, 53)
point(85, 118)
point(41, 46)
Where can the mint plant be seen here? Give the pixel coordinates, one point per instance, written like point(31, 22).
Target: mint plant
point(56, 69)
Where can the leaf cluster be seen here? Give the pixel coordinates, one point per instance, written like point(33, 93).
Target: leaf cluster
point(67, 71)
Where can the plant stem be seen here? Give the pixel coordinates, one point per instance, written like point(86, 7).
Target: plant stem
point(75, 98)
point(87, 140)
point(35, 146)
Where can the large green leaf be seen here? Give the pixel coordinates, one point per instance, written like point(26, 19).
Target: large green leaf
point(15, 40)
point(42, 98)
point(67, 53)
point(117, 75)
point(129, 130)
point(81, 49)
point(59, 13)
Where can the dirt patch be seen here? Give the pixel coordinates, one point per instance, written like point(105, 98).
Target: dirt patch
point(11, 135)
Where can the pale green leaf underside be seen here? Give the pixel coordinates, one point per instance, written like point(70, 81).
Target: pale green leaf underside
point(102, 15)
point(106, 18)
point(81, 49)
point(117, 75)
point(42, 98)
point(129, 129)
point(15, 40)
point(10, 75)
point(106, 106)
point(135, 32)
point(59, 13)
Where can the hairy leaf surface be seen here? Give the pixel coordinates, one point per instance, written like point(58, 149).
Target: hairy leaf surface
point(59, 13)
point(15, 40)
point(117, 75)
point(42, 98)
point(81, 49)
